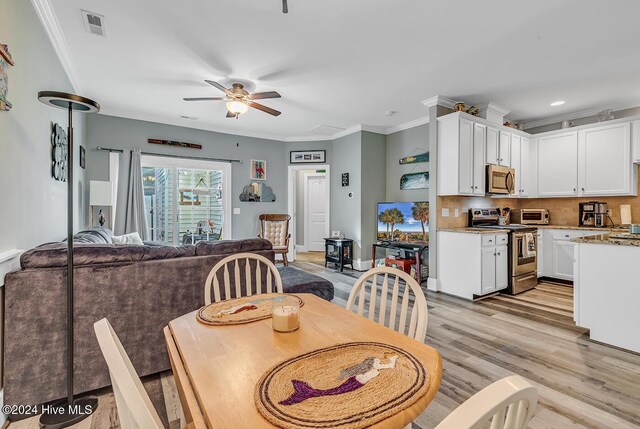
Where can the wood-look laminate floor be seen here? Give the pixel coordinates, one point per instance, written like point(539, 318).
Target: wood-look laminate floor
point(582, 384)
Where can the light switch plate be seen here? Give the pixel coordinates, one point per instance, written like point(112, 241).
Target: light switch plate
point(445, 212)
point(236, 210)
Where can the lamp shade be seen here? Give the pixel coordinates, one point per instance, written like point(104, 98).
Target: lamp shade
point(100, 193)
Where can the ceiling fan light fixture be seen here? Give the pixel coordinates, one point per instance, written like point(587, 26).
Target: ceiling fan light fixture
point(237, 107)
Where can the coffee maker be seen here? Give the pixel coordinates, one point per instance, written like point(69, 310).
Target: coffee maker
point(593, 213)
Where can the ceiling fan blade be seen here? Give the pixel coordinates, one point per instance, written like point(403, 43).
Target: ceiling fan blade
point(220, 87)
point(230, 115)
point(202, 98)
point(285, 6)
point(264, 108)
point(262, 95)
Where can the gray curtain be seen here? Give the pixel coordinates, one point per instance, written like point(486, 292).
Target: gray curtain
point(135, 219)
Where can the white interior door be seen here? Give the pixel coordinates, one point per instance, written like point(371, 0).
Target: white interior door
point(315, 224)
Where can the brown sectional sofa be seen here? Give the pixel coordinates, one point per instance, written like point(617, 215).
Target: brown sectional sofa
point(138, 288)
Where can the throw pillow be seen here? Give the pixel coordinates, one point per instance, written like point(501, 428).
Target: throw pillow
point(131, 238)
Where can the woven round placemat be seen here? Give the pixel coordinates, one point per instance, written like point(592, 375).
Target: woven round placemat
point(241, 310)
point(347, 386)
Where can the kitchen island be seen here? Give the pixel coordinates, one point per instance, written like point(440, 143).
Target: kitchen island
point(607, 289)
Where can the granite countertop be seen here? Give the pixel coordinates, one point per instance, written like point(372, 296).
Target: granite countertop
point(582, 228)
point(469, 230)
point(608, 239)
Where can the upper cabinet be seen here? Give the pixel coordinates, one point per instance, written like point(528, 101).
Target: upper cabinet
point(635, 137)
point(461, 155)
point(591, 161)
point(558, 165)
point(498, 146)
point(604, 160)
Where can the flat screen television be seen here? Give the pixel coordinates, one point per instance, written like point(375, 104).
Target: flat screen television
point(407, 222)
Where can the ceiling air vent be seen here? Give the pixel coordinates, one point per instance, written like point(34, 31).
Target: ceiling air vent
point(93, 23)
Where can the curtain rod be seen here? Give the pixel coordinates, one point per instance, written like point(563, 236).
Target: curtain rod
point(239, 161)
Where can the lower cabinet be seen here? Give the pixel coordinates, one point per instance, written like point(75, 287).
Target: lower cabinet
point(556, 252)
point(472, 265)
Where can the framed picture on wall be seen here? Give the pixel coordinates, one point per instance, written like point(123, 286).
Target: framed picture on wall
point(258, 169)
point(307, 156)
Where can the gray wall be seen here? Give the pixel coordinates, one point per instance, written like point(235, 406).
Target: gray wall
point(401, 144)
point(373, 187)
point(34, 208)
point(127, 134)
point(345, 210)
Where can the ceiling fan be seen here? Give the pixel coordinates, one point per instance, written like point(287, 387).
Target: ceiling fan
point(239, 100)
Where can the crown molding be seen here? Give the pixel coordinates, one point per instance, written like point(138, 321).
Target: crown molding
point(49, 21)
point(576, 115)
point(407, 125)
point(503, 111)
point(439, 100)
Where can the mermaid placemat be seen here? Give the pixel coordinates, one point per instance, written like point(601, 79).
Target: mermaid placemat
point(241, 310)
point(347, 386)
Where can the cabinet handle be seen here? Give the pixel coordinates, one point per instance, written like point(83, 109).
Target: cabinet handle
point(498, 253)
point(574, 189)
point(583, 189)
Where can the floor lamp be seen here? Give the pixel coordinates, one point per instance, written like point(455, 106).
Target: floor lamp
point(72, 411)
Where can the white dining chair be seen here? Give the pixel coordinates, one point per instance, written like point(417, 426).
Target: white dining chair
point(508, 404)
point(135, 409)
point(271, 273)
point(385, 281)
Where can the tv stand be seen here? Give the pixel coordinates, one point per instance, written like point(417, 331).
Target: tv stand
point(413, 250)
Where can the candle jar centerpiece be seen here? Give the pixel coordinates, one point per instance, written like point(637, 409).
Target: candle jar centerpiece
point(285, 314)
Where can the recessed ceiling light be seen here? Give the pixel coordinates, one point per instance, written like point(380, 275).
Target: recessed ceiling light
point(557, 103)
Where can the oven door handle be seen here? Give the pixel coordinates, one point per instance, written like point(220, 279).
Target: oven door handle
point(529, 277)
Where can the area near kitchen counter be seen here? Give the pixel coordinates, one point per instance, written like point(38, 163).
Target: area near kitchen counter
point(606, 292)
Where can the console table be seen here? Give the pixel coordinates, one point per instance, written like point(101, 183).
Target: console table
point(411, 250)
point(338, 251)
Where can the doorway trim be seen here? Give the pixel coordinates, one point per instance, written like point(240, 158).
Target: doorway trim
point(305, 184)
point(291, 199)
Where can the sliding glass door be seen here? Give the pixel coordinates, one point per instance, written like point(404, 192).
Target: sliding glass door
point(186, 201)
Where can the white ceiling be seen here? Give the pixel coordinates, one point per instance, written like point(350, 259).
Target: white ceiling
point(343, 63)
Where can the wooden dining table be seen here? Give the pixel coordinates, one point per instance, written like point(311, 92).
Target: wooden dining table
point(219, 366)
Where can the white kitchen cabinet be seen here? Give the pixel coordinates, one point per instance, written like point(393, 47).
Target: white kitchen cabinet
point(558, 165)
point(472, 265)
point(505, 149)
point(465, 163)
point(563, 259)
point(461, 149)
point(604, 160)
point(493, 145)
point(540, 253)
point(502, 269)
point(488, 270)
point(525, 168)
point(635, 137)
point(516, 161)
point(479, 149)
point(556, 252)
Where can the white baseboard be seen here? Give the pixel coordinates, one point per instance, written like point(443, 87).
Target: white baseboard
point(432, 284)
point(360, 265)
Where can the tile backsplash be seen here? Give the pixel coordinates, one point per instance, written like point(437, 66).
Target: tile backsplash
point(562, 211)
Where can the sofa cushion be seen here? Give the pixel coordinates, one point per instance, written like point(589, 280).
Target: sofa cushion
point(227, 247)
point(55, 254)
point(98, 235)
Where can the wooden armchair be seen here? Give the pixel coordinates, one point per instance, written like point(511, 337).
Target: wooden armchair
point(275, 228)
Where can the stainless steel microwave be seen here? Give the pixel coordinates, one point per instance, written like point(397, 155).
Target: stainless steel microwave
point(530, 216)
point(500, 180)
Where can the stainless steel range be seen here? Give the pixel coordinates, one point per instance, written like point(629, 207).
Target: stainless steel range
point(522, 248)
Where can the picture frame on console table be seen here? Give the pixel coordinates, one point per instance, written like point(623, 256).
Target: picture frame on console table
point(307, 156)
